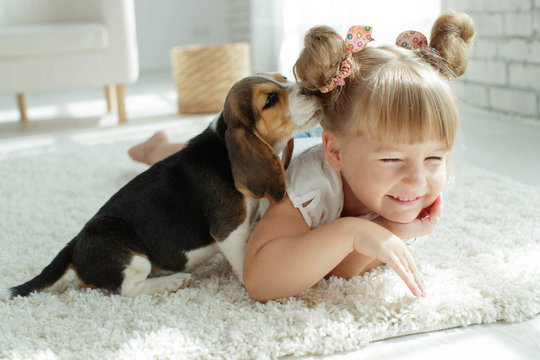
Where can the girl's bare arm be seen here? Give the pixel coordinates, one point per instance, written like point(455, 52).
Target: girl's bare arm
point(285, 257)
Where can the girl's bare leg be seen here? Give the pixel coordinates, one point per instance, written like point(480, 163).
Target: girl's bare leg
point(156, 148)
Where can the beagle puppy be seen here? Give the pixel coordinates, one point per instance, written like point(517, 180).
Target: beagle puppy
point(187, 207)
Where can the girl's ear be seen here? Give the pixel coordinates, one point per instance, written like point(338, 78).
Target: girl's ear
point(332, 149)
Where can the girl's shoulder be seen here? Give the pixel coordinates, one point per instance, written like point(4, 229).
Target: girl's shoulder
point(310, 162)
point(309, 151)
point(314, 187)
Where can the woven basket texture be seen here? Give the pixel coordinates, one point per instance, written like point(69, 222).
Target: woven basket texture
point(204, 74)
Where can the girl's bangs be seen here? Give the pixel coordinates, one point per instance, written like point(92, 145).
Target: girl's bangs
point(412, 110)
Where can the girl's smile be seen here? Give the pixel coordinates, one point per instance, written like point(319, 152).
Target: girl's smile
point(404, 200)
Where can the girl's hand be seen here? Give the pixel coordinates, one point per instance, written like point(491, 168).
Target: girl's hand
point(389, 249)
point(422, 225)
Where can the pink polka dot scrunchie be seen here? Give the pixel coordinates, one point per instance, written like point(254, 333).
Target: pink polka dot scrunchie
point(415, 40)
point(411, 40)
point(357, 38)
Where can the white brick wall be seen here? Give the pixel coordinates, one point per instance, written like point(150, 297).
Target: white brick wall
point(503, 74)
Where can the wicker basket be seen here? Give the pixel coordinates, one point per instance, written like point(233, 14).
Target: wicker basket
point(204, 74)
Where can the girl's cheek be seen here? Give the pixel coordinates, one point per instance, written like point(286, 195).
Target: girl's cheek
point(439, 179)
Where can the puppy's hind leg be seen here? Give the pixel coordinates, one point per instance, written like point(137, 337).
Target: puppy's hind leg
point(170, 283)
point(136, 279)
point(135, 276)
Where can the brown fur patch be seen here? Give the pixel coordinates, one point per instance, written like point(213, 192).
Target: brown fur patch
point(286, 157)
point(278, 77)
point(256, 168)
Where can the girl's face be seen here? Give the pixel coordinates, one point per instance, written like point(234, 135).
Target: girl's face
point(395, 181)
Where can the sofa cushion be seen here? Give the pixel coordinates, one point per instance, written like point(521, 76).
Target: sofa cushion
point(24, 40)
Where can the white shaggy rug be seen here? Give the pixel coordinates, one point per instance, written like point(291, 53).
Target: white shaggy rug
point(480, 265)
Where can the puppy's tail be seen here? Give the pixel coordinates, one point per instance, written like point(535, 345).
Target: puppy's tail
point(52, 273)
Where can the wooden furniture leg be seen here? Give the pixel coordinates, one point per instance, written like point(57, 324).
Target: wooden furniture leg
point(120, 103)
point(21, 101)
point(109, 95)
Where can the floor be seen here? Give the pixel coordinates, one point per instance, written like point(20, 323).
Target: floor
point(509, 148)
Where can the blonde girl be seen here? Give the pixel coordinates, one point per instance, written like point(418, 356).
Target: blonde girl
point(390, 120)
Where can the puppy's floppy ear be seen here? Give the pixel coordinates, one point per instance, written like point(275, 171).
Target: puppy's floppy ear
point(256, 168)
point(286, 155)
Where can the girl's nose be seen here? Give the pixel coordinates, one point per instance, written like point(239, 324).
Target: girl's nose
point(414, 176)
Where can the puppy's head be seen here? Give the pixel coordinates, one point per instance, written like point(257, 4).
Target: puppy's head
point(262, 113)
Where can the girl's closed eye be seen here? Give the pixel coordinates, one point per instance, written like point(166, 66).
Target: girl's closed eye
point(391, 160)
point(437, 156)
point(397, 160)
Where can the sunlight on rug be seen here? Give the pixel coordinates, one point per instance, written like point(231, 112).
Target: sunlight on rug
point(480, 265)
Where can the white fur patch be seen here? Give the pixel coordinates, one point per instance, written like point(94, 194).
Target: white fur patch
point(233, 247)
point(198, 256)
point(135, 275)
point(136, 279)
point(169, 283)
point(304, 110)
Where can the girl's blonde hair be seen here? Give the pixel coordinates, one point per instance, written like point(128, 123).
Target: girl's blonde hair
point(393, 94)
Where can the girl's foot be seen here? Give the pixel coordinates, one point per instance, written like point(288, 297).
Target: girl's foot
point(148, 152)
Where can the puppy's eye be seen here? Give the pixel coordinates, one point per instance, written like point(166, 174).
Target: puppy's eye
point(271, 100)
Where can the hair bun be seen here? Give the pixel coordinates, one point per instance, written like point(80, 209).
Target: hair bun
point(451, 35)
point(320, 59)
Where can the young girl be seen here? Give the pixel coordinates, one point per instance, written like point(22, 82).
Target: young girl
point(390, 120)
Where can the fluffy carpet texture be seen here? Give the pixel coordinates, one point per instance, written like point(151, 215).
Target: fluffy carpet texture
point(480, 265)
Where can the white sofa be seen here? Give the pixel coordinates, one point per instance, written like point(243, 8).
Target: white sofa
point(63, 44)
